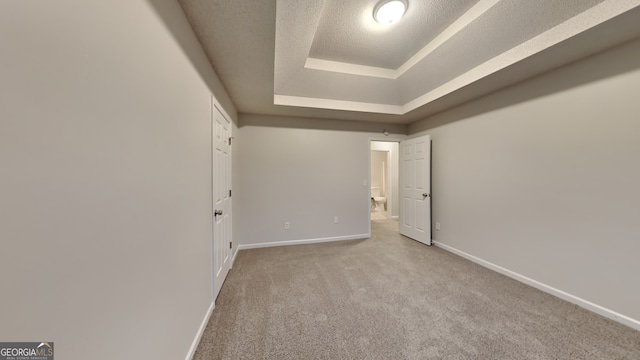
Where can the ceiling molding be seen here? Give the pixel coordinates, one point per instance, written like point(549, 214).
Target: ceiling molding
point(408, 73)
point(319, 103)
point(262, 52)
point(467, 18)
point(353, 69)
point(572, 27)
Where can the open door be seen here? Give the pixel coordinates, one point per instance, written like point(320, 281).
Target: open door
point(415, 189)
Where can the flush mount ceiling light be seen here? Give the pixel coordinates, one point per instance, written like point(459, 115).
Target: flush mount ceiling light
point(389, 12)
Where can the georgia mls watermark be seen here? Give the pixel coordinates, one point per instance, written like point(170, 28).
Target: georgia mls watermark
point(26, 350)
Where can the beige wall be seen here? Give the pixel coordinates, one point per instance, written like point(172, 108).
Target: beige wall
point(296, 170)
point(105, 190)
point(543, 178)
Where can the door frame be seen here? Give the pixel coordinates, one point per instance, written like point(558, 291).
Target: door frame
point(381, 138)
point(216, 105)
point(387, 179)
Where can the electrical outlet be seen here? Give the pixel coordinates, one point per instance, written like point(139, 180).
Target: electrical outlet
point(286, 225)
point(335, 220)
point(437, 226)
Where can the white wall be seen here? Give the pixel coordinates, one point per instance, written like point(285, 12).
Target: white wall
point(106, 185)
point(394, 173)
point(287, 173)
point(543, 179)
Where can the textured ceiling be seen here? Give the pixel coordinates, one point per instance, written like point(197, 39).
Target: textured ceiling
point(348, 33)
point(328, 59)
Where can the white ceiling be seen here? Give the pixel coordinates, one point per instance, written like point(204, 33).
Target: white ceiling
point(330, 59)
point(348, 33)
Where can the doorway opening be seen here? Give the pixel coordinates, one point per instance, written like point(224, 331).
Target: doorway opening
point(384, 180)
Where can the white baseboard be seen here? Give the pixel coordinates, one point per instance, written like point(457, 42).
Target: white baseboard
point(610, 314)
point(235, 254)
point(304, 241)
point(196, 341)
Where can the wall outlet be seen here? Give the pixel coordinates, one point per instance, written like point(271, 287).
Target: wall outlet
point(335, 220)
point(286, 225)
point(437, 226)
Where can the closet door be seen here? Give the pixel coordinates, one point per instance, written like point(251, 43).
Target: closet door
point(221, 183)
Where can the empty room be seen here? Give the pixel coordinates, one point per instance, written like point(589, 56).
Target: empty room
point(320, 179)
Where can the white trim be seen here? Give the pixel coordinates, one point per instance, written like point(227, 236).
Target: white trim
point(211, 216)
point(235, 254)
point(389, 139)
point(600, 310)
point(570, 28)
point(460, 24)
point(580, 23)
point(218, 106)
point(355, 69)
point(347, 68)
point(304, 241)
point(203, 326)
point(332, 104)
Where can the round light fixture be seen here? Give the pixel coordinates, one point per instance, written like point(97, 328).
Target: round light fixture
point(388, 12)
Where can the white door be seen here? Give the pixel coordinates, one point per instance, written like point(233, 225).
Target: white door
point(415, 191)
point(221, 157)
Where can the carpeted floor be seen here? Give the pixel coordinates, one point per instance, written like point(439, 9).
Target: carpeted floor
point(389, 297)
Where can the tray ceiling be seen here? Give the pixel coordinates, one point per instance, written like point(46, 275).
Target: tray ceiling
point(348, 33)
point(330, 59)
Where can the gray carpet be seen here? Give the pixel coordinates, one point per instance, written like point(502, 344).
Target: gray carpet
point(389, 297)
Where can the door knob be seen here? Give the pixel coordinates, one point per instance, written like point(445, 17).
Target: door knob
point(217, 212)
point(425, 195)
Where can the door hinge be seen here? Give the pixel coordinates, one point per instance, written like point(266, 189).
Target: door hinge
point(229, 193)
point(229, 141)
point(230, 244)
